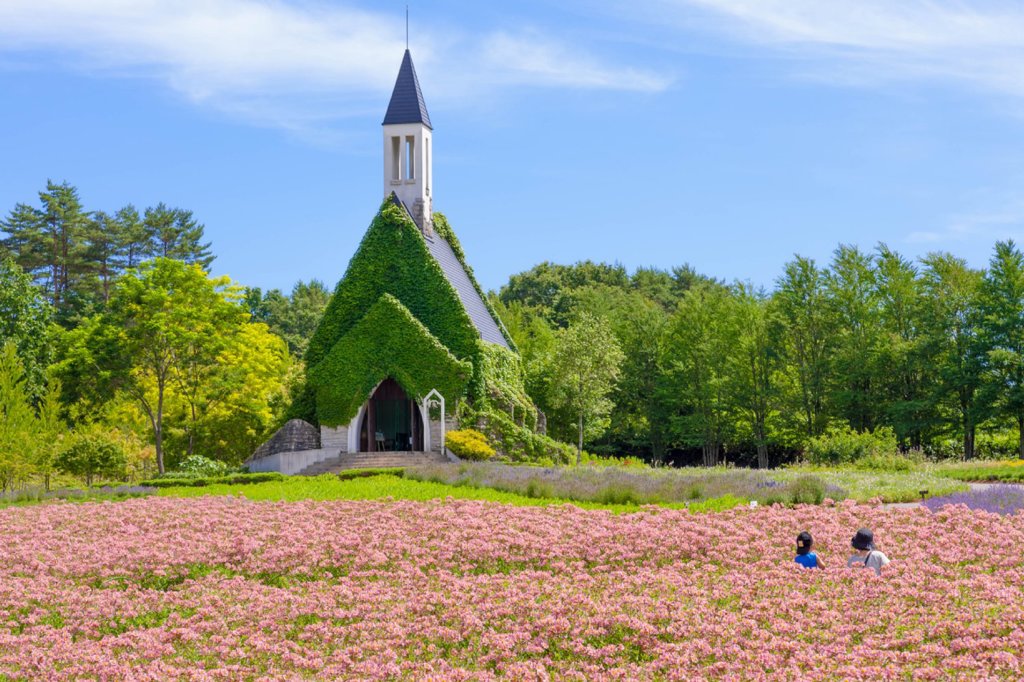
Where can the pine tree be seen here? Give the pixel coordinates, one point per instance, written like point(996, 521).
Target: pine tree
point(64, 227)
point(106, 252)
point(135, 235)
point(177, 235)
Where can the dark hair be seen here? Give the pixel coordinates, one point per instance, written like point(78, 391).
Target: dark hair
point(804, 542)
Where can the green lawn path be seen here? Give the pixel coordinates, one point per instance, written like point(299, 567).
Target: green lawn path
point(385, 486)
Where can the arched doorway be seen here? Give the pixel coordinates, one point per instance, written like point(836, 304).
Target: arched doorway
point(391, 421)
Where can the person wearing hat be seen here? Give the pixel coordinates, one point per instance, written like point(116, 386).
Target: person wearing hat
point(866, 556)
point(804, 556)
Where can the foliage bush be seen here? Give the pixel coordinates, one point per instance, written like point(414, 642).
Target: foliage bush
point(469, 444)
point(516, 443)
point(843, 445)
point(807, 490)
point(93, 453)
point(885, 462)
point(202, 467)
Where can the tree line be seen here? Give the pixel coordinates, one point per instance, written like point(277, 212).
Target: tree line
point(113, 335)
point(118, 348)
point(75, 255)
point(933, 350)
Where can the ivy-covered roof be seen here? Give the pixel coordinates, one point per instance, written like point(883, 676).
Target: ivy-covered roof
point(407, 105)
point(387, 342)
point(393, 259)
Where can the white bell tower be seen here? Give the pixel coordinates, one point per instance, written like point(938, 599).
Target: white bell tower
point(408, 147)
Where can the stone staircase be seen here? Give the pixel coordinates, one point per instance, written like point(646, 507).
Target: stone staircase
point(372, 460)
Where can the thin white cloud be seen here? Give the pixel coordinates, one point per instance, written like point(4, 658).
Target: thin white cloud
point(536, 60)
point(980, 44)
point(292, 64)
point(1004, 222)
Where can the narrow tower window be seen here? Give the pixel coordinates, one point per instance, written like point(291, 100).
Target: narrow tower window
point(396, 158)
point(410, 158)
point(426, 164)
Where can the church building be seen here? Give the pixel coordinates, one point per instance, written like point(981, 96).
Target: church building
point(408, 345)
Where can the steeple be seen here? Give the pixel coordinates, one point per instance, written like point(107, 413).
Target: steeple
point(407, 147)
point(407, 105)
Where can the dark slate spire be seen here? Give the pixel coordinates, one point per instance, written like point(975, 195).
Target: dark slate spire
point(407, 105)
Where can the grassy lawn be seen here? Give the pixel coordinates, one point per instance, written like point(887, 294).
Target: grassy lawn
point(384, 486)
point(891, 486)
point(1007, 471)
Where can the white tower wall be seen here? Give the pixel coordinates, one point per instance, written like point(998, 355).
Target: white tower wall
point(408, 157)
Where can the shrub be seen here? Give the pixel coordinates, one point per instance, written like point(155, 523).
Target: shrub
point(843, 445)
point(92, 454)
point(807, 490)
point(469, 444)
point(610, 461)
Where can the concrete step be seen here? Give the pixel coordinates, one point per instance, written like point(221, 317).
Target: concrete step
point(372, 460)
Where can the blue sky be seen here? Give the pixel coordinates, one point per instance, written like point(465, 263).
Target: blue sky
point(727, 134)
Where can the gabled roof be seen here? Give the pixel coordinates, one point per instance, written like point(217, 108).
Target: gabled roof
point(445, 256)
point(407, 105)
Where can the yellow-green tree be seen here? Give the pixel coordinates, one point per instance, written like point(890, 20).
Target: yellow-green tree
point(166, 325)
point(17, 420)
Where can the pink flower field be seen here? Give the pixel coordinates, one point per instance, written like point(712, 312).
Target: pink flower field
point(223, 588)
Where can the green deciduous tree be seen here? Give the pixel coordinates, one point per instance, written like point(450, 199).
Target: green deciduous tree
point(25, 322)
point(900, 370)
point(950, 322)
point(586, 364)
point(698, 351)
point(294, 317)
point(1001, 308)
point(755, 364)
point(18, 427)
point(161, 322)
point(850, 291)
point(809, 334)
point(91, 454)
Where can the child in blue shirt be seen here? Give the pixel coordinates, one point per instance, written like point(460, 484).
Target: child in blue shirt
point(804, 556)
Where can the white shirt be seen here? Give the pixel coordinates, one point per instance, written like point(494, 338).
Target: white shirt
point(874, 559)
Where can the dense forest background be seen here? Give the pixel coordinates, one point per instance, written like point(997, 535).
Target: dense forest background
point(114, 331)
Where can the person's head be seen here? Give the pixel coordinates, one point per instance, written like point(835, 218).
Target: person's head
point(864, 540)
point(804, 542)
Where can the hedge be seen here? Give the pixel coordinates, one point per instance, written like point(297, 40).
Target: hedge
point(232, 479)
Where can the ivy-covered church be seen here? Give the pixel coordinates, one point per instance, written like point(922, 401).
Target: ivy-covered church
point(408, 334)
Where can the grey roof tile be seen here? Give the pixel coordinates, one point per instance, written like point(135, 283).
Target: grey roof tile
point(407, 105)
point(482, 319)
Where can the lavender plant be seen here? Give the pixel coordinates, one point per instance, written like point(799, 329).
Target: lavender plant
point(1001, 499)
point(630, 486)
